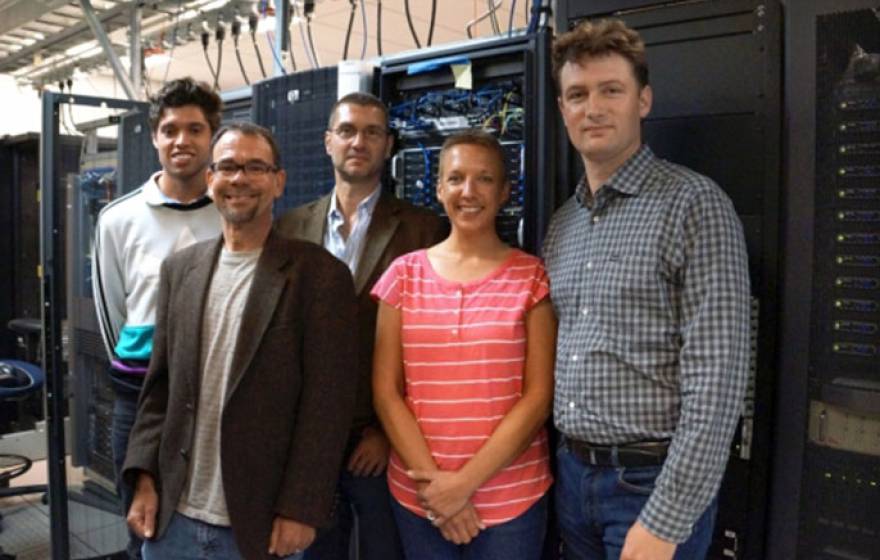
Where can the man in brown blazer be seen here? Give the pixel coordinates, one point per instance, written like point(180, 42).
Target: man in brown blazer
point(246, 406)
point(366, 228)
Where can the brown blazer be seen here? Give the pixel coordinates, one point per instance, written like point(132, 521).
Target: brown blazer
point(289, 403)
point(396, 228)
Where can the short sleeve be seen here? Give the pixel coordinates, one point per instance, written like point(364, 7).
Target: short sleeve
point(540, 287)
point(389, 288)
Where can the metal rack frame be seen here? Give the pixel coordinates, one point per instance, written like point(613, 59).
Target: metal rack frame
point(52, 246)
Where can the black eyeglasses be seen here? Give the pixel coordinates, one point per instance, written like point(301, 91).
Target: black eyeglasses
point(253, 168)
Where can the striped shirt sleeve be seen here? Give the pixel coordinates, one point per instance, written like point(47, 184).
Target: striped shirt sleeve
point(389, 288)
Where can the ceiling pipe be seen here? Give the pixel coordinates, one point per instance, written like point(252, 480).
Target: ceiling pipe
point(118, 70)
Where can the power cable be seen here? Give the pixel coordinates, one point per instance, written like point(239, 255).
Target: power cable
point(379, 27)
point(350, 24)
point(412, 28)
point(510, 19)
point(493, 19)
point(61, 115)
point(219, 35)
point(308, 11)
point(433, 21)
point(366, 29)
point(290, 45)
point(253, 20)
point(289, 24)
point(206, 38)
point(173, 41)
point(305, 42)
point(469, 25)
point(537, 9)
point(302, 34)
point(236, 34)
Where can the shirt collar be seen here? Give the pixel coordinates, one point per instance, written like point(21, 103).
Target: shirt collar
point(155, 196)
point(365, 207)
point(628, 179)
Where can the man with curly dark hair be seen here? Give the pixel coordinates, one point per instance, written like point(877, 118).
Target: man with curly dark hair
point(135, 233)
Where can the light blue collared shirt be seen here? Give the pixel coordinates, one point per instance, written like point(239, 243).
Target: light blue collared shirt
point(349, 250)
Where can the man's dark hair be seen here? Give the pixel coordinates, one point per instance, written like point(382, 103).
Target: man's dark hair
point(597, 39)
point(182, 92)
point(358, 98)
point(250, 129)
point(474, 137)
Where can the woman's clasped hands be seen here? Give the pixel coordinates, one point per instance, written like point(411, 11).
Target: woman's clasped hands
point(446, 497)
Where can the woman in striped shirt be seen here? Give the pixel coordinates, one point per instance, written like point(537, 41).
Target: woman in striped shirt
point(463, 375)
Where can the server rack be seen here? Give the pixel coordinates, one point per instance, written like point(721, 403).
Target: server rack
point(295, 108)
point(104, 173)
point(826, 491)
point(19, 257)
point(59, 344)
point(92, 405)
point(137, 156)
point(716, 75)
point(510, 95)
point(237, 105)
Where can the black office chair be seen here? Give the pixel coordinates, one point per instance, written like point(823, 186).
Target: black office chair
point(17, 381)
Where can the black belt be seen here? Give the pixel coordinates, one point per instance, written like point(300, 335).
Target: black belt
point(641, 454)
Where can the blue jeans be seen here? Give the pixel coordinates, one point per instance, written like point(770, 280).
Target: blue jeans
point(596, 506)
point(521, 538)
point(190, 539)
point(366, 497)
point(124, 411)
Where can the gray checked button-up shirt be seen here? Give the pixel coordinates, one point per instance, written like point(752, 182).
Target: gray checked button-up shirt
point(650, 282)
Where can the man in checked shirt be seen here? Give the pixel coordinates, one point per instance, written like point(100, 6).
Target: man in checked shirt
point(649, 278)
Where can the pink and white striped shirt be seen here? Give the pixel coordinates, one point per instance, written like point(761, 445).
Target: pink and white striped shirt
point(464, 350)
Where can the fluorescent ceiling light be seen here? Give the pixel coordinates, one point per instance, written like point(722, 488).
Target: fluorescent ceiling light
point(216, 4)
point(79, 49)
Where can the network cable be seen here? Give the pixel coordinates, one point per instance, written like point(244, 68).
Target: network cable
point(173, 40)
point(493, 18)
point(253, 20)
point(236, 33)
point(219, 35)
point(409, 20)
point(510, 19)
point(366, 29)
point(350, 25)
point(379, 27)
point(206, 38)
point(433, 21)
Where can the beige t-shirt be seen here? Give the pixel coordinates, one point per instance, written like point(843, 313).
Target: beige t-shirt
point(203, 496)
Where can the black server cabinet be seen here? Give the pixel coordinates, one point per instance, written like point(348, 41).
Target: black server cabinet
point(510, 95)
point(715, 70)
point(20, 216)
point(295, 107)
point(826, 498)
point(92, 394)
point(237, 106)
point(19, 258)
point(115, 170)
point(138, 159)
